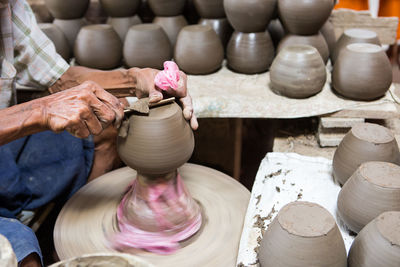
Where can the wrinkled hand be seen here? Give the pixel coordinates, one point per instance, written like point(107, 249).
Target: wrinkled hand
point(82, 110)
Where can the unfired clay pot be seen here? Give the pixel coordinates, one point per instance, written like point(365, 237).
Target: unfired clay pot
point(172, 26)
point(328, 32)
point(250, 15)
point(364, 142)
point(147, 46)
point(378, 243)
point(304, 17)
point(198, 50)
point(58, 38)
point(362, 72)
point(210, 9)
point(302, 234)
point(250, 52)
point(70, 28)
point(120, 8)
point(98, 46)
point(317, 41)
point(298, 71)
point(276, 31)
point(372, 189)
point(166, 8)
point(71, 9)
point(122, 25)
point(221, 27)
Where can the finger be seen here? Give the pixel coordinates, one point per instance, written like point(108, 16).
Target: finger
point(187, 107)
point(79, 130)
point(93, 124)
point(194, 123)
point(102, 111)
point(155, 95)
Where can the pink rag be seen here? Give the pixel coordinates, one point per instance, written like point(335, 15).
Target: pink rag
point(169, 77)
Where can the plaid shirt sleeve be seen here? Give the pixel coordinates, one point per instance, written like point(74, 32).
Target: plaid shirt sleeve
point(35, 58)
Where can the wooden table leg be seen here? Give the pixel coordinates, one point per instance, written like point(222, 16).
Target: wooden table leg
point(237, 156)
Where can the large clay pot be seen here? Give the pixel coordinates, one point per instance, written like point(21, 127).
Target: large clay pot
point(198, 50)
point(147, 46)
point(70, 28)
point(298, 71)
point(364, 142)
point(250, 15)
point(276, 31)
point(70, 9)
point(98, 46)
point(362, 72)
point(166, 8)
point(304, 17)
point(210, 9)
point(221, 26)
point(250, 52)
point(58, 38)
point(302, 234)
point(120, 8)
point(172, 26)
point(329, 34)
point(122, 25)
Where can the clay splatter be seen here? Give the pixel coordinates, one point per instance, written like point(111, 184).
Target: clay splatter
point(284, 181)
point(258, 199)
point(299, 196)
point(286, 172)
point(240, 265)
point(292, 184)
point(278, 172)
point(278, 189)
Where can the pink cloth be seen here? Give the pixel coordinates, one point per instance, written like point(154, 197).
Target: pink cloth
point(169, 77)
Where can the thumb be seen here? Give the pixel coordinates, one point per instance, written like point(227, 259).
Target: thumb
point(155, 96)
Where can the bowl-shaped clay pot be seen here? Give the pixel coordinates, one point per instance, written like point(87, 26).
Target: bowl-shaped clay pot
point(351, 36)
point(98, 46)
point(146, 46)
point(221, 27)
point(122, 25)
point(276, 31)
point(158, 143)
point(145, 13)
point(378, 243)
point(298, 71)
point(304, 17)
point(210, 9)
point(166, 8)
point(372, 189)
point(198, 50)
point(58, 38)
point(120, 8)
point(172, 26)
point(328, 32)
point(250, 15)
point(316, 40)
point(71, 9)
point(250, 52)
point(70, 28)
point(362, 72)
point(302, 234)
point(364, 142)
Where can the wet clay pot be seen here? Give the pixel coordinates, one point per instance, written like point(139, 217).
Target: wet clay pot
point(98, 46)
point(298, 71)
point(364, 142)
point(210, 9)
point(167, 8)
point(304, 17)
point(221, 27)
point(302, 234)
point(120, 8)
point(362, 72)
point(70, 28)
point(378, 243)
point(276, 31)
point(198, 50)
point(328, 32)
point(250, 15)
point(250, 52)
point(372, 189)
point(58, 38)
point(71, 9)
point(316, 40)
point(146, 46)
point(351, 36)
point(122, 25)
point(172, 26)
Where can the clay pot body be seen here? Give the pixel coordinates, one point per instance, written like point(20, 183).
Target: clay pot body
point(378, 243)
point(146, 46)
point(250, 15)
point(120, 8)
point(304, 17)
point(316, 41)
point(351, 36)
point(98, 46)
point(364, 142)
point(276, 31)
point(172, 26)
point(71, 9)
point(58, 38)
point(221, 27)
point(298, 71)
point(250, 52)
point(167, 8)
point(362, 72)
point(70, 28)
point(198, 50)
point(302, 234)
point(122, 25)
point(210, 9)
point(328, 32)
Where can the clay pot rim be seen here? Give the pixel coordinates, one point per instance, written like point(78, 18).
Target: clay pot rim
point(364, 48)
point(377, 181)
point(355, 131)
point(383, 228)
point(300, 49)
point(47, 26)
point(360, 33)
point(98, 27)
point(145, 27)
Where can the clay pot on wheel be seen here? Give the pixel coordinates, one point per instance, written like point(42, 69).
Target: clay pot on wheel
point(303, 234)
point(362, 72)
point(70, 28)
point(122, 25)
point(120, 8)
point(167, 8)
point(210, 9)
point(364, 142)
point(329, 34)
point(172, 26)
point(298, 71)
point(71, 9)
point(221, 26)
point(58, 38)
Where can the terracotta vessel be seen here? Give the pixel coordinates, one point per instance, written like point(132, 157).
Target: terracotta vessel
point(58, 38)
point(250, 15)
point(70, 28)
point(302, 234)
point(328, 32)
point(145, 13)
point(378, 243)
point(351, 36)
point(304, 17)
point(316, 41)
point(98, 46)
point(221, 26)
point(362, 72)
point(122, 25)
point(210, 9)
point(147, 46)
point(364, 142)
point(298, 71)
point(120, 8)
point(166, 8)
point(276, 31)
point(198, 50)
point(250, 52)
point(71, 9)
point(172, 26)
